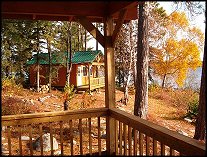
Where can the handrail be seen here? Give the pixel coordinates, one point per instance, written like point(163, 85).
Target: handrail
point(176, 141)
point(36, 118)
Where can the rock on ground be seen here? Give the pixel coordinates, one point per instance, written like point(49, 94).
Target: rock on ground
point(46, 143)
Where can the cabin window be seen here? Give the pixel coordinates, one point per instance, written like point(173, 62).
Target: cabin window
point(84, 71)
point(79, 71)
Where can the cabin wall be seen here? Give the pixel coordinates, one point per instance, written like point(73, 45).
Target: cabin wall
point(60, 79)
point(56, 82)
point(73, 75)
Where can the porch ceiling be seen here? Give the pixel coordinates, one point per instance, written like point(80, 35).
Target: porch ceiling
point(95, 11)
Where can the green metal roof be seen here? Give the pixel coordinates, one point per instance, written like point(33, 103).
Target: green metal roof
point(60, 58)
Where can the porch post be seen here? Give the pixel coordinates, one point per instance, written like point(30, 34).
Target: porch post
point(109, 84)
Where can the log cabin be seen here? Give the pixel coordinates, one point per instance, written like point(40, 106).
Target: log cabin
point(126, 134)
point(87, 72)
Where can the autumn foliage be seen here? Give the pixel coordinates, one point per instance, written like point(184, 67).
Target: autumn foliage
point(180, 51)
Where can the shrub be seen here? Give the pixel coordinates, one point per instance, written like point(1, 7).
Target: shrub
point(192, 110)
point(69, 92)
point(153, 87)
point(9, 86)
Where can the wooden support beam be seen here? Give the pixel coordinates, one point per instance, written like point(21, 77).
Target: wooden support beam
point(109, 84)
point(120, 21)
point(91, 29)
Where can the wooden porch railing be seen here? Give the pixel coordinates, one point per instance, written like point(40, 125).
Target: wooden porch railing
point(65, 126)
point(136, 136)
point(133, 136)
point(94, 84)
point(97, 81)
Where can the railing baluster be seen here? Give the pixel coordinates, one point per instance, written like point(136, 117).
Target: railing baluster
point(130, 140)
point(30, 140)
point(81, 136)
point(141, 144)
point(116, 137)
point(162, 149)
point(154, 147)
point(172, 152)
point(9, 139)
point(120, 138)
point(61, 137)
point(51, 138)
point(41, 140)
point(147, 145)
point(20, 140)
point(135, 142)
point(90, 140)
point(125, 140)
point(99, 136)
point(71, 136)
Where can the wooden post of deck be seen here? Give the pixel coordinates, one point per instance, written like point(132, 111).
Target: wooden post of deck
point(109, 84)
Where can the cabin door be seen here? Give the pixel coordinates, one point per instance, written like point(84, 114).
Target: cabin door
point(79, 76)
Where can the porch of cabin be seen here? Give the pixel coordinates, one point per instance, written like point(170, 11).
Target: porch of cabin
point(95, 83)
point(89, 76)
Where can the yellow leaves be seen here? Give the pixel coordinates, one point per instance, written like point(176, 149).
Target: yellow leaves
point(171, 46)
point(181, 76)
point(177, 23)
point(176, 58)
point(197, 36)
point(197, 32)
point(181, 49)
point(179, 19)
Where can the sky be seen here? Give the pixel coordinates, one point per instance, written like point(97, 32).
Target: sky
point(197, 21)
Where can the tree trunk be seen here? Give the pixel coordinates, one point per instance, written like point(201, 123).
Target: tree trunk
point(126, 90)
point(85, 40)
point(69, 54)
point(163, 81)
point(79, 37)
point(141, 95)
point(49, 55)
point(97, 40)
point(70, 60)
point(134, 70)
point(119, 75)
point(200, 126)
point(82, 41)
point(7, 71)
point(38, 64)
